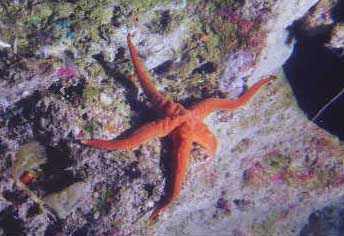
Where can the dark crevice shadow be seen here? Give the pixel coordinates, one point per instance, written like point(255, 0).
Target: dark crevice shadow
point(10, 223)
point(56, 175)
point(337, 12)
point(316, 75)
point(111, 70)
point(168, 170)
point(326, 221)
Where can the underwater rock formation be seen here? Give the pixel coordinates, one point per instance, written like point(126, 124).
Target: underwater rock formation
point(65, 75)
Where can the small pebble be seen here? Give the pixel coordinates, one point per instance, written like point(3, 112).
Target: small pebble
point(105, 99)
point(96, 215)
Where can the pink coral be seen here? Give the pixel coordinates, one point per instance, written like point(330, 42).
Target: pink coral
point(65, 72)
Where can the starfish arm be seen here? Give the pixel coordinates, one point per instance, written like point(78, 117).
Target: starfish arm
point(148, 87)
point(181, 145)
point(213, 104)
point(158, 128)
point(204, 137)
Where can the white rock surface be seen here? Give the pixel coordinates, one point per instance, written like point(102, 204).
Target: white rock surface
point(278, 49)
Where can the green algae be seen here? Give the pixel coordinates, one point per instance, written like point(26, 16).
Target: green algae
point(30, 24)
point(29, 157)
point(63, 10)
point(227, 32)
point(183, 81)
point(12, 13)
point(42, 11)
point(93, 12)
point(100, 15)
point(65, 201)
point(85, 18)
point(89, 128)
point(268, 225)
point(157, 23)
point(90, 23)
point(105, 31)
point(103, 205)
point(90, 94)
point(21, 42)
point(278, 161)
point(224, 4)
point(221, 38)
point(139, 4)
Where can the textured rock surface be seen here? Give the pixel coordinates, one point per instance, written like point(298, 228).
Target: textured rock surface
point(272, 168)
point(65, 77)
point(326, 221)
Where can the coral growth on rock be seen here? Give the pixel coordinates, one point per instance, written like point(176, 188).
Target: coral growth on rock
point(65, 75)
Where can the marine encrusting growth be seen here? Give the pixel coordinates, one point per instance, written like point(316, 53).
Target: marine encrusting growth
point(183, 126)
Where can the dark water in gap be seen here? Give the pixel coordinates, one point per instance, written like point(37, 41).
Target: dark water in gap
point(316, 75)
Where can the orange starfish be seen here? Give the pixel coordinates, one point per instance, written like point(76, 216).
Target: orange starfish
point(184, 127)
